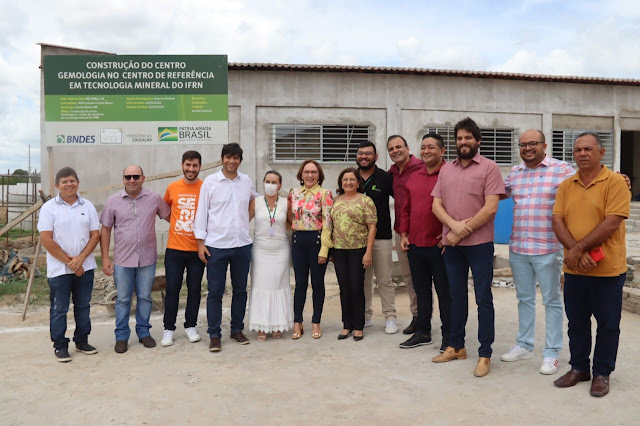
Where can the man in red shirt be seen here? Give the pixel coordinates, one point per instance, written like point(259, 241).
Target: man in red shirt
point(421, 238)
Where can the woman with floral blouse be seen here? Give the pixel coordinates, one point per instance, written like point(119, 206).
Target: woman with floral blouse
point(354, 221)
point(309, 213)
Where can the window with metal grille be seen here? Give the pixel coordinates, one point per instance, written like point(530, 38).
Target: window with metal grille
point(563, 139)
point(333, 143)
point(497, 143)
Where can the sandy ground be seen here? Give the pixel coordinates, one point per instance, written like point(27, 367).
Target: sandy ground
point(323, 381)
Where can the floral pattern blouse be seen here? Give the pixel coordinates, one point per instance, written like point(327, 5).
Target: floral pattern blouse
point(350, 221)
point(311, 209)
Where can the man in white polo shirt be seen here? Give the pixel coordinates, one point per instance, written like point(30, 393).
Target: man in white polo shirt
point(68, 226)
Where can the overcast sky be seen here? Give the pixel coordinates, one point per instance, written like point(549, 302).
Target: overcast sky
point(587, 38)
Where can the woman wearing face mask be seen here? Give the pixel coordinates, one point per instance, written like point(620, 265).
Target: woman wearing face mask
point(309, 213)
point(354, 219)
point(270, 298)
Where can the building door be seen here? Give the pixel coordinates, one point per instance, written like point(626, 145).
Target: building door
point(630, 158)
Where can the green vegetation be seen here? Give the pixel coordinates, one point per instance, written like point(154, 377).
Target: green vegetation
point(12, 292)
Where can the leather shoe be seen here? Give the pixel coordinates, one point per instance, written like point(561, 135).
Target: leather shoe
point(411, 329)
point(571, 378)
point(148, 342)
point(450, 354)
point(482, 368)
point(239, 338)
point(600, 386)
point(121, 346)
point(214, 345)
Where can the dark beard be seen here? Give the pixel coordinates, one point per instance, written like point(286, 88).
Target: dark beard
point(472, 153)
point(366, 168)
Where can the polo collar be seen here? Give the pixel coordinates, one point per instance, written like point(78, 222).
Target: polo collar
point(602, 175)
point(59, 200)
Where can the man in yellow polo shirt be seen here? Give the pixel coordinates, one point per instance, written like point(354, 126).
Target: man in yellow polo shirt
point(588, 220)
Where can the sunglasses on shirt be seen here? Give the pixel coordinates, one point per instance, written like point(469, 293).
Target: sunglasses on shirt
point(129, 177)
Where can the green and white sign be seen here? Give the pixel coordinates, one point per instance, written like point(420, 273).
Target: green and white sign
point(135, 99)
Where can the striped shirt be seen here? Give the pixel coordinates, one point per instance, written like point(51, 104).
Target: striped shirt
point(534, 192)
point(133, 220)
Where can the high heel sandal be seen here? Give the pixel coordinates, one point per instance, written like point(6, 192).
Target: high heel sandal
point(276, 334)
point(344, 336)
point(317, 334)
point(262, 336)
point(296, 336)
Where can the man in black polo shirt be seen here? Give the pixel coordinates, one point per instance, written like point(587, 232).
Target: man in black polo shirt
point(378, 185)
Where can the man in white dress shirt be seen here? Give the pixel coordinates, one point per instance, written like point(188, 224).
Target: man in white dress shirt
point(221, 229)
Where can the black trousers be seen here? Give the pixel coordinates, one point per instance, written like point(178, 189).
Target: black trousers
point(350, 274)
point(175, 263)
point(426, 263)
point(304, 255)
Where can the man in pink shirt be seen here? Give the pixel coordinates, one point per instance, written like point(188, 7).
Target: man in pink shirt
point(466, 200)
point(131, 213)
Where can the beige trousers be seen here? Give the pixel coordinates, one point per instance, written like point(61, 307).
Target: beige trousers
point(382, 263)
point(403, 260)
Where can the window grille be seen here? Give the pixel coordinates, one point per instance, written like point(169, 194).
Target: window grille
point(562, 145)
point(327, 143)
point(498, 144)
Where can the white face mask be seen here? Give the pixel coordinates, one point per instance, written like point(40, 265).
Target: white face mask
point(270, 189)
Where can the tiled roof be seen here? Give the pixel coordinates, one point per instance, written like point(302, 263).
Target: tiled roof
point(240, 66)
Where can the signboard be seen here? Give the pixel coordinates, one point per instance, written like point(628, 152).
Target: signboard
point(135, 99)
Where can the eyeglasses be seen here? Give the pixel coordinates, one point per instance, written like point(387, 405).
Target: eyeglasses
point(129, 177)
point(532, 144)
point(365, 154)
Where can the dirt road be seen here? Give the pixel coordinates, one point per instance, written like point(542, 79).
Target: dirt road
point(307, 381)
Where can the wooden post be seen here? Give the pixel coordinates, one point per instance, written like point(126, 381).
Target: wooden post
point(32, 274)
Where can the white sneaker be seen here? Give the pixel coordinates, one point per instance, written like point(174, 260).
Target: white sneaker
point(516, 353)
point(368, 323)
point(549, 366)
point(391, 327)
point(167, 338)
point(192, 334)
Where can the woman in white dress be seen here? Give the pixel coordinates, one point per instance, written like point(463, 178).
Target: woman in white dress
point(270, 308)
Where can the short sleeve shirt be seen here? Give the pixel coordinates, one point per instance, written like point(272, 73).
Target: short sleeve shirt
point(584, 208)
point(379, 187)
point(183, 200)
point(350, 221)
point(71, 227)
point(134, 224)
point(463, 191)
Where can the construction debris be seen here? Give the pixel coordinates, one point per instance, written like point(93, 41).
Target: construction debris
point(14, 267)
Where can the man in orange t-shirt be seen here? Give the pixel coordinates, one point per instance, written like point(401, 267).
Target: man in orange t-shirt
point(182, 250)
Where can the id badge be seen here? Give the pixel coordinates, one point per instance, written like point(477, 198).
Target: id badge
point(271, 231)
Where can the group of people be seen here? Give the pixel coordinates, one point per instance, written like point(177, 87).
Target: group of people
point(444, 226)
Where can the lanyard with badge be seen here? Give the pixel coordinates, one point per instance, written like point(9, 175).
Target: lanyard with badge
point(272, 219)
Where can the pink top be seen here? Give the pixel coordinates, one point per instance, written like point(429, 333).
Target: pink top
point(134, 224)
point(463, 191)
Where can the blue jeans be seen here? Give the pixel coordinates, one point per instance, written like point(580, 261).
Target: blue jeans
point(61, 289)
point(238, 259)
point(546, 270)
point(175, 262)
point(127, 280)
point(600, 297)
point(457, 261)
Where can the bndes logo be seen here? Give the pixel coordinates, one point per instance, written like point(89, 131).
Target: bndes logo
point(81, 139)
